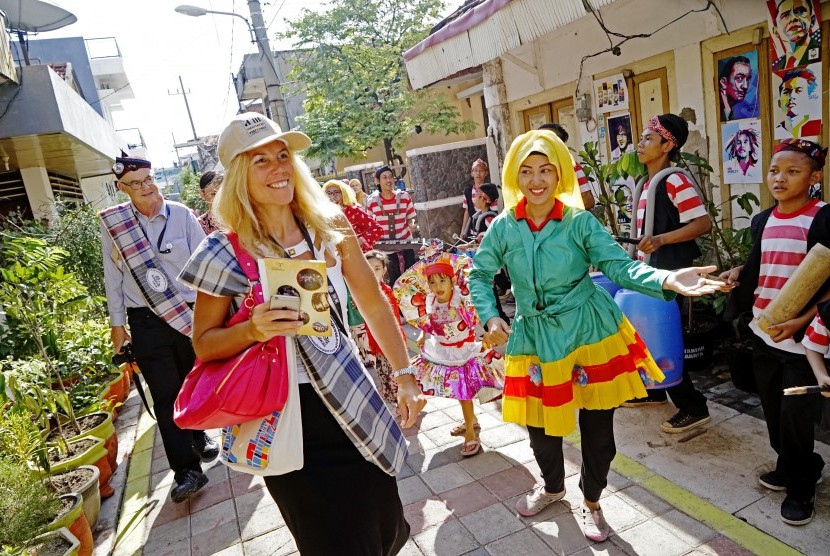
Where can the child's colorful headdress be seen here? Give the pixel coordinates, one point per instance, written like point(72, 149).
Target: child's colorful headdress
point(441, 265)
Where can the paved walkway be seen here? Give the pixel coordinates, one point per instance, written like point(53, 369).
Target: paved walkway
point(667, 494)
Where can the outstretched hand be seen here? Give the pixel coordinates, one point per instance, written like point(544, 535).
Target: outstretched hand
point(695, 281)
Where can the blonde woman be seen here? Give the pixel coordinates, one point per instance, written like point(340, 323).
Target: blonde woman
point(342, 501)
point(359, 194)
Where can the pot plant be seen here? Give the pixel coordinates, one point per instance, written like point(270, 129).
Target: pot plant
point(26, 504)
point(84, 481)
point(60, 542)
point(71, 516)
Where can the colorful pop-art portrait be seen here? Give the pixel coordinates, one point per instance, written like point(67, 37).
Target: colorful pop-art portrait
point(738, 86)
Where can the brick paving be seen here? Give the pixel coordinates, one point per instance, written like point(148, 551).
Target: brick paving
point(458, 505)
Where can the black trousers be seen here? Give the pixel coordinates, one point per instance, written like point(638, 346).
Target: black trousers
point(338, 503)
point(684, 395)
point(164, 357)
point(596, 427)
point(790, 419)
point(395, 269)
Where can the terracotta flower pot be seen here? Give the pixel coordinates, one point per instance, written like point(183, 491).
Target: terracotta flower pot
point(68, 542)
point(89, 489)
point(105, 431)
point(94, 455)
point(74, 519)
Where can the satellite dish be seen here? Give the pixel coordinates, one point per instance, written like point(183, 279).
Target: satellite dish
point(34, 16)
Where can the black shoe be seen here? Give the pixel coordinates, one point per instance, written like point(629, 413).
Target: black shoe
point(206, 447)
point(683, 421)
point(772, 480)
point(643, 402)
point(188, 483)
point(798, 512)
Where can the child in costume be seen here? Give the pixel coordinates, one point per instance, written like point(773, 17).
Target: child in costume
point(451, 363)
point(570, 348)
point(388, 385)
point(782, 237)
point(817, 344)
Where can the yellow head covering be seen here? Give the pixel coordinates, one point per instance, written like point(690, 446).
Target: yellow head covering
point(346, 192)
point(547, 143)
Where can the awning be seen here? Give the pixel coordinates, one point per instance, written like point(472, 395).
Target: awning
point(486, 32)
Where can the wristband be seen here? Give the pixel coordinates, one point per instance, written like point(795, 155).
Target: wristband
point(405, 371)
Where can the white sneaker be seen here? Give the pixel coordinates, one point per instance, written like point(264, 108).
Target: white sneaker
point(537, 500)
point(594, 526)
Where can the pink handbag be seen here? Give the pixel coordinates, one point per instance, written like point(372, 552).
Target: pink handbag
point(244, 387)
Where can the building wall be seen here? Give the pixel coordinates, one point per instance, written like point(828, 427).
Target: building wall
point(439, 175)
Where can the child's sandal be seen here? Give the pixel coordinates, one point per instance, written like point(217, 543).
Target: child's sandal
point(471, 448)
point(461, 429)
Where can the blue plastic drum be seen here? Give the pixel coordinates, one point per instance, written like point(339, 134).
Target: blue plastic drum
point(605, 283)
point(658, 324)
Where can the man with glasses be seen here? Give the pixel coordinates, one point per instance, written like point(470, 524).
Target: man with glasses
point(146, 243)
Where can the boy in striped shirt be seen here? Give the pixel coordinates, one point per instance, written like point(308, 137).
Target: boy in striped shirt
point(395, 212)
point(782, 237)
point(679, 219)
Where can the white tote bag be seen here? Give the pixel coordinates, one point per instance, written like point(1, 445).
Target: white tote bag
point(272, 445)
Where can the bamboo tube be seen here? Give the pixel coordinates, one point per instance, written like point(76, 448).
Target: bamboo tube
point(797, 291)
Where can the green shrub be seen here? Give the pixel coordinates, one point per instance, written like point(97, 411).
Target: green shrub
point(26, 504)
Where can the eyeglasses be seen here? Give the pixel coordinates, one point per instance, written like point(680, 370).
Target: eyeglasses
point(136, 185)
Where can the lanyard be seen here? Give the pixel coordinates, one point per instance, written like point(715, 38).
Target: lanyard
point(167, 248)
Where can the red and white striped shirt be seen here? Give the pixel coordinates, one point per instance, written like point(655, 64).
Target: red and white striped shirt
point(682, 194)
point(493, 206)
point(399, 209)
point(582, 179)
point(816, 338)
point(783, 247)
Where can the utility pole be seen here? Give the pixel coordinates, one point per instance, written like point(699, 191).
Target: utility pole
point(270, 70)
point(187, 105)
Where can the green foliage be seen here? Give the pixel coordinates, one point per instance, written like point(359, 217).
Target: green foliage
point(190, 190)
point(77, 231)
point(357, 88)
point(21, 440)
point(26, 504)
point(605, 176)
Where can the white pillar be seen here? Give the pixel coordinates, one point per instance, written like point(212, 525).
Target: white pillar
point(500, 132)
point(39, 192)
point(96, 193)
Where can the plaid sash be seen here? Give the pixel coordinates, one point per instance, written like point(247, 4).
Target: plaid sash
point(137, 253)
point(342, 383)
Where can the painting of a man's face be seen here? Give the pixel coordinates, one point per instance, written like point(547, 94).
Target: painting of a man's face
point(742, 146)
point(793, 92)
point(793, 20)
point(737, 84)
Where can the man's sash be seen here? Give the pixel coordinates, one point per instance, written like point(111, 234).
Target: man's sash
point(137, 253)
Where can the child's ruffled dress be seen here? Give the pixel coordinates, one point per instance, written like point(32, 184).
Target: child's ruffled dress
point(452, 364)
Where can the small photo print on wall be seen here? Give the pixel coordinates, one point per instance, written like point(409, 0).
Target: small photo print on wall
point(738, 86)
point(797, 102)
point(619, 135)
point(795, 33)
point(611, 93)
point(741, 154)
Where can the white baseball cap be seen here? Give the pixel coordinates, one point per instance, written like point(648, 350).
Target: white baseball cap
point(250, 130)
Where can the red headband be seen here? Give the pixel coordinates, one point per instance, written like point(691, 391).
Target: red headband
point(655, 125)
point(439, 267)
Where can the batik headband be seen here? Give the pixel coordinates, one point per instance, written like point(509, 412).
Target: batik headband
point(812, 150)
point(655, 125)
point(480, 164)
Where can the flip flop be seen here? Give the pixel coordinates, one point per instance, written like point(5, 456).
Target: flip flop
point(461, 429)
point(470, 448)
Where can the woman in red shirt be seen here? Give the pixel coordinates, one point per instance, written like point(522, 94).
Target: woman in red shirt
point(366, 228)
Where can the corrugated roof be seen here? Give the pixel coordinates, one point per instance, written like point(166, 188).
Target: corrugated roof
point(485, 31)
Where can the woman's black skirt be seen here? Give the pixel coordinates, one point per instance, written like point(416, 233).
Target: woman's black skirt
point(338, 503)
